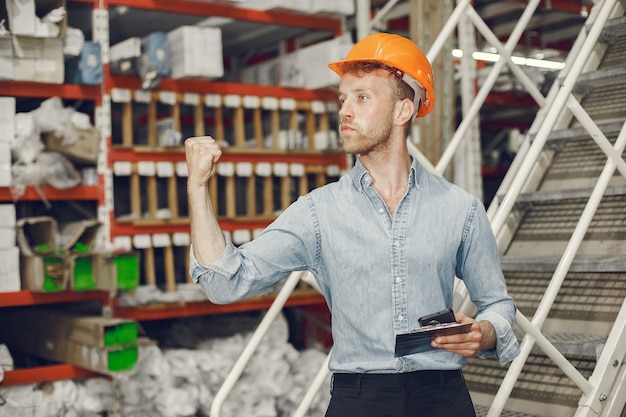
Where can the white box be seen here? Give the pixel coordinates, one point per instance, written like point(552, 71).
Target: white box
point(5, 164)
point(10, 270)
point(22, 16)
point(7, 130)
point(6, 58)
point(7, 119)
point(196, 52)
point(333, 7)
point(308, 67)
point(128, 48)
point(7, 215)
point(39, 60)
point(7, 108)
point(7, 238)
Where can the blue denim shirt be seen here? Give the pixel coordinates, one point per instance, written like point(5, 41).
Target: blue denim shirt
point(378, 273)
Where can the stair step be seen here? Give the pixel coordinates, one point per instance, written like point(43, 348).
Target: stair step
point(549, 264)
point(577, 344)
point(481, 411)
point(610, 128)
point(527, 199)
point(599, 78)
point(613, 28)
point(552, 222)
point(595, 296)
point(540, 380)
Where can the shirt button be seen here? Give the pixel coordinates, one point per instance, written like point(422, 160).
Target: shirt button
point(398, 280)
point(400, 317)
point(397, 243)
point(381, 211)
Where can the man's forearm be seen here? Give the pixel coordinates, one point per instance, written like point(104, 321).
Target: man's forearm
point(206, 234)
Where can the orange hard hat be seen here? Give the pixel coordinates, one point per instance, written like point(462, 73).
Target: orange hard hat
point(398, 52)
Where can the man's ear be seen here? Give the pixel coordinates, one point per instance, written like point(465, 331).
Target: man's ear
point(405, 109)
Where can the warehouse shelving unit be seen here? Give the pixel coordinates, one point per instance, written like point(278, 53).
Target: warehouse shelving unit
point(286, 27)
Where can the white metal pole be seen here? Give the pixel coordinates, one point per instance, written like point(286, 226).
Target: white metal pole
point(273, 312)
point(447, 30)
point(445, 159)
point(554, 354)
point(321, 376)
point(363, 25)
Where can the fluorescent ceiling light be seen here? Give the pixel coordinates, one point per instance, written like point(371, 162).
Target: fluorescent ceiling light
point(519, 60)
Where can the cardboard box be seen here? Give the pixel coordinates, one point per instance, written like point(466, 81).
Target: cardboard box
point(107, 360)
point(77, 241)
point(89, 330)
point(42, 273)
point(5, 164)
point(84, 150)
point(38, 59)
point(10, 270)
point(117, 271)
point(6, 58)
point(195, 52)
point(7, 215)
point(22, 16)
point(7, 238)
point(41, 267)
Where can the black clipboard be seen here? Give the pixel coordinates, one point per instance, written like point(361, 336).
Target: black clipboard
point(418, 340)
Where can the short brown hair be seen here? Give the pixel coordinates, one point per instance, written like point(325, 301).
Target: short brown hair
point(400, 91)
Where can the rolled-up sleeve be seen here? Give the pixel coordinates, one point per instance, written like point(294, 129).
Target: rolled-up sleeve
point(507, 346)
point(482, 273)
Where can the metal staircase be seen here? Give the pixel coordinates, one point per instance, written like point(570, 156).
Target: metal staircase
point(563, 242)
point(560, 221)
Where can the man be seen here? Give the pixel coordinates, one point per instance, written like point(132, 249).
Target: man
point(384, 243)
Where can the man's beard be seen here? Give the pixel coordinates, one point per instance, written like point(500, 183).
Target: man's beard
point(364, 142)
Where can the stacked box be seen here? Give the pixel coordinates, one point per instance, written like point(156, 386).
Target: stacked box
point(84, 150)
point(105, 345)
point(137, 56)
point(22, 17)
point(86, 68)
point(41, 267)
point(38, 59)
point(6, 58)
point(117, 271)
point(196, 52)
point(50, 261)
point(7, 134)
point(304, 68)
point(9, 252)
point(79, 260)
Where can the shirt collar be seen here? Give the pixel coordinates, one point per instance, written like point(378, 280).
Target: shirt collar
point(362, 179)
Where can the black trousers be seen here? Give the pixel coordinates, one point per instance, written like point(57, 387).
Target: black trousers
point(413, 394)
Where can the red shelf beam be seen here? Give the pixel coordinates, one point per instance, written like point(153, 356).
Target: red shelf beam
point(44, 374)
point(168, 311)
point(30, 298)
point(271, 17)
point(82, 192)
point(137, 154)
point(43, 90)
point(217, 87)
